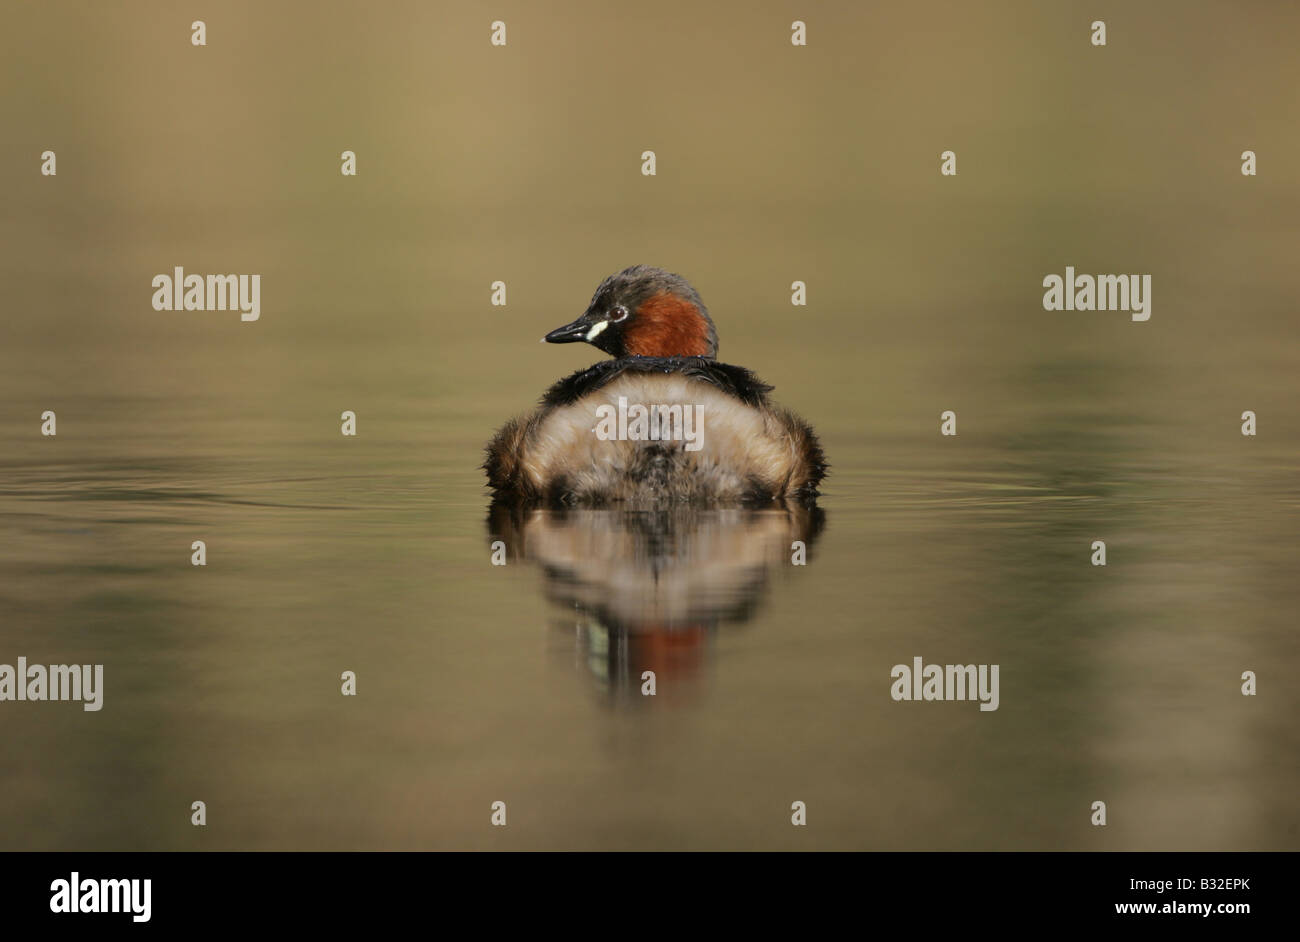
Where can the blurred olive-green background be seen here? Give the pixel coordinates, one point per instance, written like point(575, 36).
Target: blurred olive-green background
point(775, 163)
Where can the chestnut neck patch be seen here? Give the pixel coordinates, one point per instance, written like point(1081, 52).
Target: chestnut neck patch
point(666, 325)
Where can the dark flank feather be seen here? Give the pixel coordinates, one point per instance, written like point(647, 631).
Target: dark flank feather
point(733, 380)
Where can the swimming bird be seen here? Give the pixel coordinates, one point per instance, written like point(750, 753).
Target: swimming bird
point(661, 421)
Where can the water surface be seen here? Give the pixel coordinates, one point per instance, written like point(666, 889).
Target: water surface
point(522, 683)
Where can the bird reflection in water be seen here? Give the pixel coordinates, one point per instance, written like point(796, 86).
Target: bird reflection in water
point(646, 589)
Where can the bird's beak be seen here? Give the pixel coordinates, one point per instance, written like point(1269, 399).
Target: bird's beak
point(585, 328)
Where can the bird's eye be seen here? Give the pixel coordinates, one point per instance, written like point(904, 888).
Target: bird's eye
point(619, 314)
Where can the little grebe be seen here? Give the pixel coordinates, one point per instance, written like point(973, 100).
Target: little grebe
point(663, 420)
